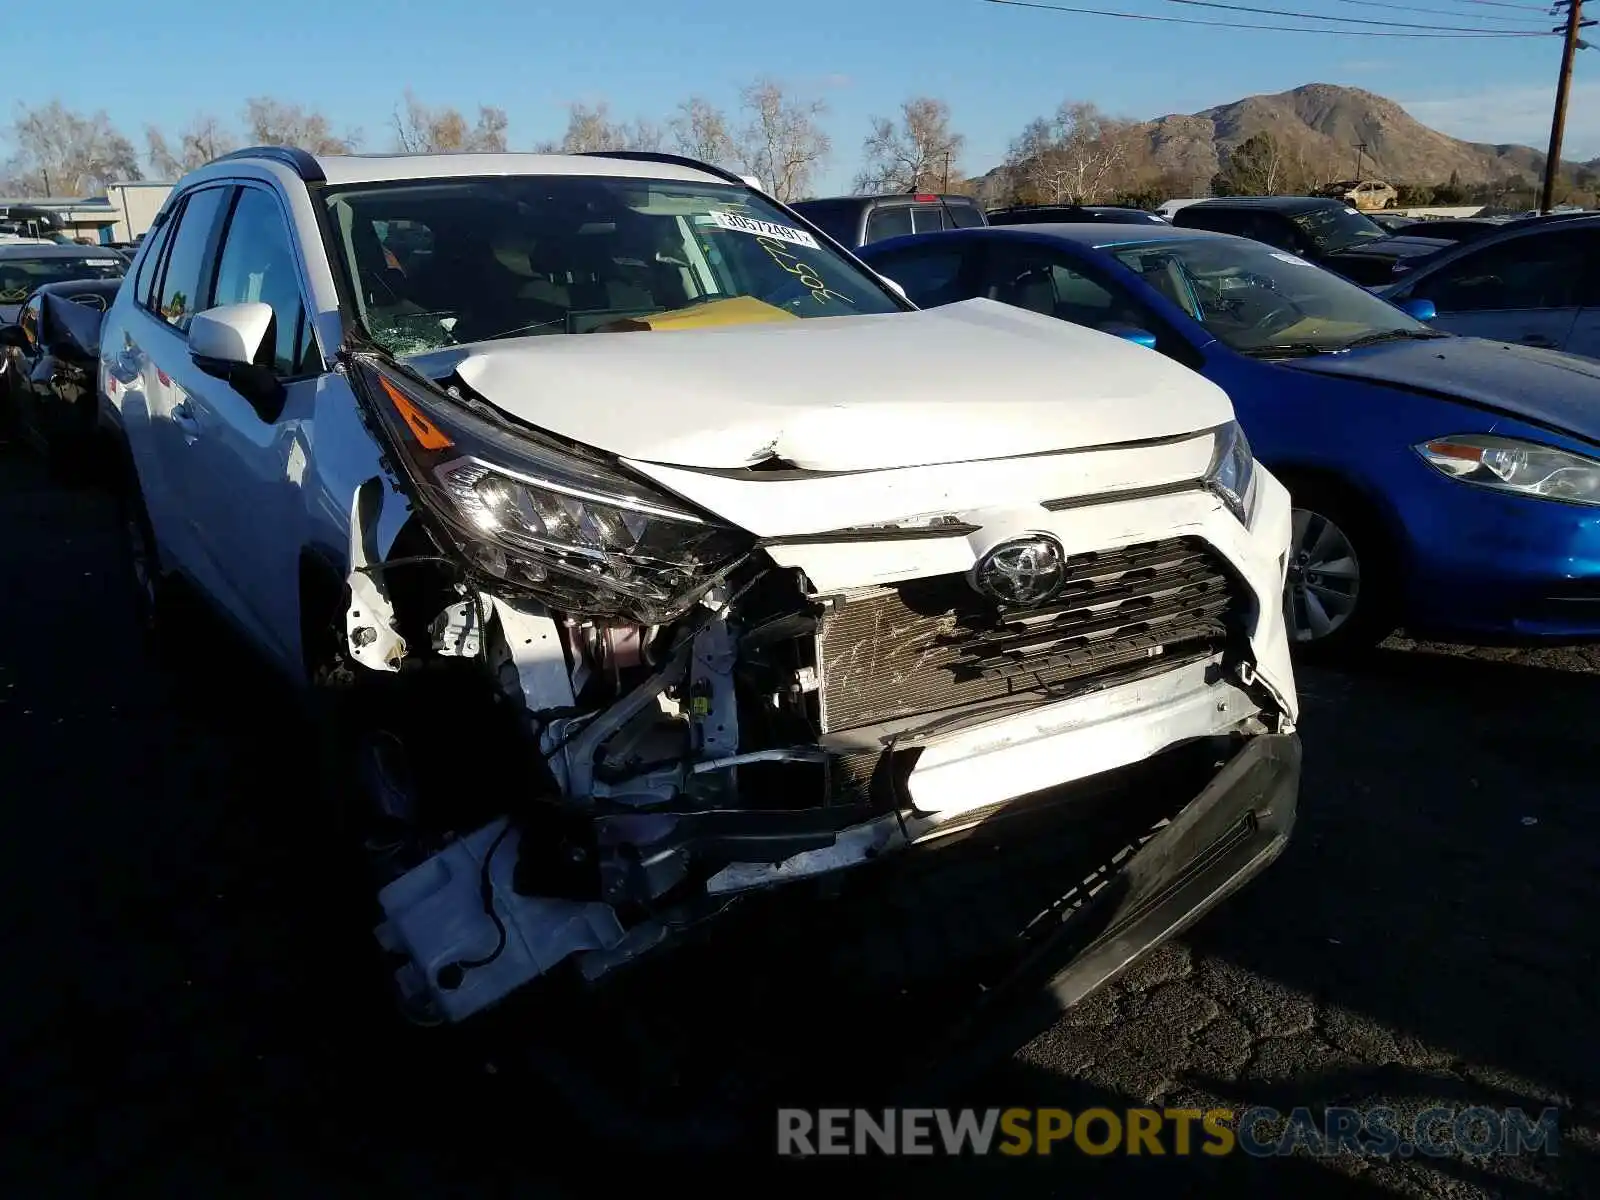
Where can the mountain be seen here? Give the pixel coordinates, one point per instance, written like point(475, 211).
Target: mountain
point(1320, 126)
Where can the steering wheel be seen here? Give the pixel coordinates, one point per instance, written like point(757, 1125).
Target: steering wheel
point(1267, 320)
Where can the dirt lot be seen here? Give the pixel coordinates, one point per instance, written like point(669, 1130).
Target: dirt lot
point(174, 1021)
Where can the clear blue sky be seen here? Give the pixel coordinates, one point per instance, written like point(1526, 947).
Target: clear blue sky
point(996, 66)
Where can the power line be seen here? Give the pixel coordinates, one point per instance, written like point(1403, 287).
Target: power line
point(1371, 33)
point(1308, 16)
point(1538, 8)
point(1441, 12)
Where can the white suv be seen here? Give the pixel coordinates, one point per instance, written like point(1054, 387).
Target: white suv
point(812, 577)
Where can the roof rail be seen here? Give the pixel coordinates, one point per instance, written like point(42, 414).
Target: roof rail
point(676, 160)
point(292, 157)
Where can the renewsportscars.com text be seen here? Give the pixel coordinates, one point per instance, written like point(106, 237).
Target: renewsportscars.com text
point(1259, 1132)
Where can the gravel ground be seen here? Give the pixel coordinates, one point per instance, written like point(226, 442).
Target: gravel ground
point(178, 1019)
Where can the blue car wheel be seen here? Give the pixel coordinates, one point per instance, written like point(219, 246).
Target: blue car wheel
point(1338, 590)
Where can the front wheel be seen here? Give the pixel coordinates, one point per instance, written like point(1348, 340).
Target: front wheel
point(1337, 592)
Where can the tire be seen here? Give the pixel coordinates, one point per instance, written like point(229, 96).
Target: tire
point(1340, 590)
point(142, 563)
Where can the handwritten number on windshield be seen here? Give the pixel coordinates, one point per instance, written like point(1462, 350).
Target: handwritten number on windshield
point(804, 272)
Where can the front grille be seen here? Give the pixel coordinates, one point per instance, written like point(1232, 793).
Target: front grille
point(935, 644)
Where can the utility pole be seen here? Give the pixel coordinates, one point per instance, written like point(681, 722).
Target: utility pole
point(1361, 149)
point(1558, 123)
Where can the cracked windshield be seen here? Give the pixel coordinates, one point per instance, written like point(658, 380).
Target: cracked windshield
point(1263, 301)
point(441, 264)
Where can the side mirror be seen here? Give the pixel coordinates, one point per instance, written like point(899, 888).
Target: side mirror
point(1421, 310)
point(231, 333)
point(1130, 333)
point(224, 342)
point(12, 337)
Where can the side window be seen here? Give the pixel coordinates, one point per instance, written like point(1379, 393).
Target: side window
point(889, 221)
point(927, 218)
point(930, 279)
point(1525, 272)
point(1273, 230)
point(1036, 279)
point(257, 265)
point(183, 281)
point(144, 283)
point(1589, 282)
point(1218, 220)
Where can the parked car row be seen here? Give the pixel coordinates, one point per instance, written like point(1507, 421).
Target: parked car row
point(1444, 483)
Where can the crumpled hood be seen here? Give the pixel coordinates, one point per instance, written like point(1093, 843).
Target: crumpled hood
point(1542, 386)
point(969, 381)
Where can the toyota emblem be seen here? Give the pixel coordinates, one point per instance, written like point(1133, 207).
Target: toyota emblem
point(1023, 571)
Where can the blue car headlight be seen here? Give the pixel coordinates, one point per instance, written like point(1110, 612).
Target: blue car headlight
point(1513, 465)
point(1232, 473)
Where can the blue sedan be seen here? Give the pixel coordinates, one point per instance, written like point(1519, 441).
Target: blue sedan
point(1447, 484)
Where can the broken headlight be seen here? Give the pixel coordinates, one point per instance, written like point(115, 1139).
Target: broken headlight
point(567, 526)
point(1232, 474)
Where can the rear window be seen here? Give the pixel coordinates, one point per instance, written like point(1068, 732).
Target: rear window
point(889, 221)
point(19, 276)
point(839, 219)
point(967, 216)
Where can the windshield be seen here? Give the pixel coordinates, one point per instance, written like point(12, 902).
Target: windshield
point(442, 262)
point(20, 276)
point(1338, 227)
point(1259, 300)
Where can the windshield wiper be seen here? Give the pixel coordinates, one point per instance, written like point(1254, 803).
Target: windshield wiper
point(1288, 350)
point(1394, 335)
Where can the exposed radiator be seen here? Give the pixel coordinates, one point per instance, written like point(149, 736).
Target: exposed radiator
point(935, 644)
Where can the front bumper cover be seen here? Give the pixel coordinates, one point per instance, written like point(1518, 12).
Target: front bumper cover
point(1238, 824)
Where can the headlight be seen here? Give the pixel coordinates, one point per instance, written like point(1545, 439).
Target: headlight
point(1511, 465)
point(563, 524)
point(1232, 473)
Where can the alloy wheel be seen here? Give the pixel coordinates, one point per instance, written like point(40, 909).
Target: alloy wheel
point(1323, 583)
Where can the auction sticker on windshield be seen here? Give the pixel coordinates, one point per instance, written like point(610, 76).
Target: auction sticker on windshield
point(770, 229)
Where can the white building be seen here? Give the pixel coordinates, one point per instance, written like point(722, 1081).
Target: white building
point(121, 215)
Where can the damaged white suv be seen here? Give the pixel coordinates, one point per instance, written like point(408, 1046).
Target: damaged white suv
point(811, 578)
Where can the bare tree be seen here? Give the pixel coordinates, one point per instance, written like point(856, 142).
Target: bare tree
point(591, 130)
point(920, 154)
point(644, 134)
point(1257, 166)
point(66, 153)
point(271, 122)
point(420, 129)
point(781, 144)
point(1077, 155)
point(700, 130)
point(202, 140)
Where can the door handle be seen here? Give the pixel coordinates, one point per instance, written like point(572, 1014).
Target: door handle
point(183, 417)
point(1538, 339)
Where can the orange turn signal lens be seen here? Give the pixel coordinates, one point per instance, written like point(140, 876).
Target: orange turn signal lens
point(429, 436)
